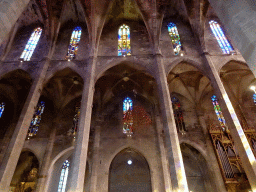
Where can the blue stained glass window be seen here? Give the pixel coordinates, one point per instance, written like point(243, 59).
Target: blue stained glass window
point(124, 47)
point(34, 125)
point(221, 38)
point(218, 112)
point(2, 105)
point(175, 37)
point(63, 176)
point(74, 41)
point(254, 98)
point(127, 116)
point(31, 44)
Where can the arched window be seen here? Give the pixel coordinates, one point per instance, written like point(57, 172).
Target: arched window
point(63, 176)
point(178, 115)
point(34, 125)
point(127, 116)
point(31, 44)
point(74, 41)
point(218, 112)
point(175, 37)
point(2, 105)
point(221, 38)
point(124, 47)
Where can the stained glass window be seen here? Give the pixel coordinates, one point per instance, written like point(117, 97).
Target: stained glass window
point(175, 37)
point(63, 176)
point(75, 120)
point(254, 98)
point(127, 116)
point(2, 105)
point(31, 44)
point(218, 112)
point(74, 41)
point(178, 115)
point(34, 125)
point(124, 47)
point(221, 38)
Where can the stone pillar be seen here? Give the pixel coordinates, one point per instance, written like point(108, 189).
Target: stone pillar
point(212, 162)
point(43, 174)
point(176, 166)
point(16, 144)
point(166, 173)
point(239, 18)
point(82, 138)
point(95, 158)
point(237, 133)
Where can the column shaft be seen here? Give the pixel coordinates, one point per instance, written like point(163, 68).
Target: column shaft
point(82, 138)
point(176, 166)
point(16, 144)
point(237, 133)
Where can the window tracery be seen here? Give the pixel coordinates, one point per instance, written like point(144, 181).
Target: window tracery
point(74, 41)
point(63, 176)
point(178, 115)
point(34, 125)
point(175, 37)
point(221, 38)
point(31, 44)
point(2, 106)
point(218, 112)
point(124, 47)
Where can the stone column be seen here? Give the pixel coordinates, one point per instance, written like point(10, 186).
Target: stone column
point(166, 173)
point(238, 17)
point(44, 169)
point(215, 173)
point(176, 166)
point(95, 158)
point(16, 144)
point(82, 138)
point(237, 133)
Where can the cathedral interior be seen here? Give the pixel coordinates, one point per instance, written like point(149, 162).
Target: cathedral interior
point(127, 96)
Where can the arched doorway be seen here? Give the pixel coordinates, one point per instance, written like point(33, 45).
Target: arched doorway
point(129, 171)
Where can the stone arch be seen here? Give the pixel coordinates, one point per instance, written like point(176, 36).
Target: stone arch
point(197, 146)
point(136, 160)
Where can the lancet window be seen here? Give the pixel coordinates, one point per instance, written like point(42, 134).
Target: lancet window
point(254, 98)
point(127, 116)
point(2, 105)
point(178, 115)
point(124, 47)
point(74, 41)
point(175, 37)
point(218, 112)
point(63, 176)
point(34, 125)
point(31, 44)
point(221, 38)
point(75, 120)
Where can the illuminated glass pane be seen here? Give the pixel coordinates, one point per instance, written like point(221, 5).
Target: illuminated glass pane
point(178, 115)
point(218, 112)
point(254, 98)
point(34, 125)
point(63, 176)
point(175, 37)
point(124, 47)
point(221, 38)
point(127, 116)
point(74, 41)
point(31, 44)
point(2, 105)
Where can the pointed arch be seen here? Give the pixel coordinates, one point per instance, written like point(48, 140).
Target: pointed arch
point(74, 41)
point(31, 44)
point(220, 37)
point(175, 38)
point(124, 44)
